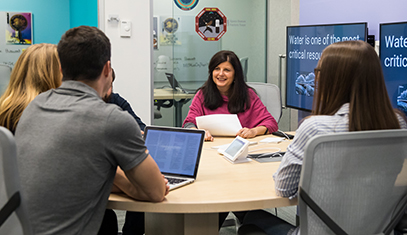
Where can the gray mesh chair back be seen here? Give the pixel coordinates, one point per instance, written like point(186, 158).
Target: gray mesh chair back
point(13, 214)
point(359, 179)
point(270, 96)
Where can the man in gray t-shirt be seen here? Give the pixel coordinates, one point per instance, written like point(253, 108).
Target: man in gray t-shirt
point(70, 142)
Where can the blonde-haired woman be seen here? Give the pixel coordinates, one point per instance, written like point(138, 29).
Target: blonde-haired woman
point(36, 71)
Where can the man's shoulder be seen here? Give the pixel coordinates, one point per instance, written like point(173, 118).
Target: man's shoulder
point(81, 105)
point(117, 116)
point(115, 98)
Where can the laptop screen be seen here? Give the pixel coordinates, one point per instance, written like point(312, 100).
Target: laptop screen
point(173, 82)
point(175, 150)
point(177, 86)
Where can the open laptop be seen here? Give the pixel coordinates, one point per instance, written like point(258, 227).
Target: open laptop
point(176, 86)
point(176, 151)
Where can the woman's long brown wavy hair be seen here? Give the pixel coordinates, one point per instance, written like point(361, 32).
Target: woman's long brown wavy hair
point(350, 72)
point(36, 71)
point(239, 99)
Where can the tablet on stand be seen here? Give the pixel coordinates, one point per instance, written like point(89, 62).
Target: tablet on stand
point(237, 151)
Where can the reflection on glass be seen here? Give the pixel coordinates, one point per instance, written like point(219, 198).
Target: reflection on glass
point(182, 52)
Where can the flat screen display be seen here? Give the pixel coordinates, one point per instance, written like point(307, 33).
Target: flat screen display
point(393, 57)
point(305, 44)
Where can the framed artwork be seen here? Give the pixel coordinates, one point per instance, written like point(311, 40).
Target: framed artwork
point(18, 28)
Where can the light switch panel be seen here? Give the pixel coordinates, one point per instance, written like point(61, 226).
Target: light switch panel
point(125, 28)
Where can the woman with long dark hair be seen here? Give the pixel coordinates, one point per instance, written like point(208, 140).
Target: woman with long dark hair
point(226, 92)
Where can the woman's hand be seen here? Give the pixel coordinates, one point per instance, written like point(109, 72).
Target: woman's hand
point(167, 187)
point(246, 133)
point(208, 136)
point(251, 133)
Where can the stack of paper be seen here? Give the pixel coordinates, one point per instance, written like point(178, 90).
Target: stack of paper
point(219, 124)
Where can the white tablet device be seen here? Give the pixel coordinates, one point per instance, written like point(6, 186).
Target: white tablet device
point(237, 151)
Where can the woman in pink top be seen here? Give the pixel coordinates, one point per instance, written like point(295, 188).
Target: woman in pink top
point(225, 92)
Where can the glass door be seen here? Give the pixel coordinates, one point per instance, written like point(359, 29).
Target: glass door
point(188, 33)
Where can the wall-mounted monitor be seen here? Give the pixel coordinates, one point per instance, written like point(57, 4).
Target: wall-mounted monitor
point(305, 44)
point(393, 57)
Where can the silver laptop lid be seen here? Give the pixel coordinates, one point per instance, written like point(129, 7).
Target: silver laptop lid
point(177, 151)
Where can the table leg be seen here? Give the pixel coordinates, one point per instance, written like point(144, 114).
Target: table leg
point(178, 112)
point(178, 224)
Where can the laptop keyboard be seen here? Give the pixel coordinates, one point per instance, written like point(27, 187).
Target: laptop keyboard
point(174, 180)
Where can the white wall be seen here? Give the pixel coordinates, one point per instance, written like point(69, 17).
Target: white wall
point(131, 57)
point(280, 15)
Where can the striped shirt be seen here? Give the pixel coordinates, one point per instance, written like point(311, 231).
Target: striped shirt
point(288, 174)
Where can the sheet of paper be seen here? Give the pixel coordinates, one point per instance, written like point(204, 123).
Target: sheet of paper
point(219, 124)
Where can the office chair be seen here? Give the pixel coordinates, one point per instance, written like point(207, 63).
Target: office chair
point(244, 61)
point(5, 72)
point(402, 225)
point(161, 104)
point(353, 183)
point(13, 213)
point(270, 96)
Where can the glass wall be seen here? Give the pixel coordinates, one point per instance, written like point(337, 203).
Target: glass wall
point(188, 33)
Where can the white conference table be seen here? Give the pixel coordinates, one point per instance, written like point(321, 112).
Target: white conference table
point(220, 187)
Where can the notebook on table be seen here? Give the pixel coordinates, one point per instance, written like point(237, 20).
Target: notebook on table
point(176, 151)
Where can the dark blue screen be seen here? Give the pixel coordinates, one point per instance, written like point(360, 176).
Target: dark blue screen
point(174, 152)
point(304, 48)
point(393, 57)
